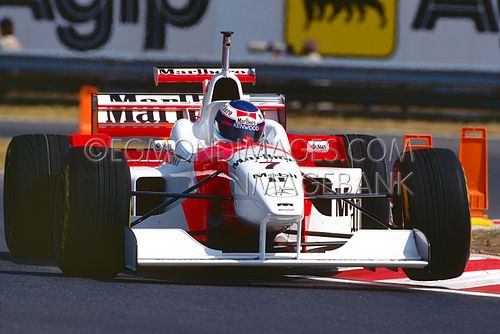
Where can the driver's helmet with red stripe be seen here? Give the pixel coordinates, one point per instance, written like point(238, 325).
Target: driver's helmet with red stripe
point(238, 120)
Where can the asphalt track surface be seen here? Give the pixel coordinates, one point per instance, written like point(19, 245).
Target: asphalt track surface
point(36, 298)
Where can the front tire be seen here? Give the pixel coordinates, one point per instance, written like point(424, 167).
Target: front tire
point(93, 212)
point(433, 198)
point(31, 166)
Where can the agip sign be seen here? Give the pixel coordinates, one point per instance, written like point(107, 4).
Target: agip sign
point(69, 16)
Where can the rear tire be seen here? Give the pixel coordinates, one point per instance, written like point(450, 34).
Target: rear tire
point(93, 212)
point(367, 153)
point(31, 167)
point(433, 199)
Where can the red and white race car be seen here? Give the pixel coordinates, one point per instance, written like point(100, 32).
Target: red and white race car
point(105, 201)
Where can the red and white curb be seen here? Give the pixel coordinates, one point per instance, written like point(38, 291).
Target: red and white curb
point(481, 278)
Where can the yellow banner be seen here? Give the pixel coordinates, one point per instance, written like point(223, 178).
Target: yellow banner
point(346, 28)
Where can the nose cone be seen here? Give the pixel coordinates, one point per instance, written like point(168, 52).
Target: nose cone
point(267, 186)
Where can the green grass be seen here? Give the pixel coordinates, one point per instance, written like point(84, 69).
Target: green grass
point(51, 113)
point(486, 242)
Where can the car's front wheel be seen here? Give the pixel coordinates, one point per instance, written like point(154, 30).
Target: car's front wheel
point(92, 212)
point(431, 196)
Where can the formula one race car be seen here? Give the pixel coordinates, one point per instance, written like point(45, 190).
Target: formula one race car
point(214, 179)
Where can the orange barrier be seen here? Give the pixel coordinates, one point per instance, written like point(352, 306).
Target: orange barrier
point(86, 109)
point(474, 158)
point(417, 142)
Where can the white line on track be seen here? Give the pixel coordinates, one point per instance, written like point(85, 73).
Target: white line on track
point(484, 256)
point(470, 279)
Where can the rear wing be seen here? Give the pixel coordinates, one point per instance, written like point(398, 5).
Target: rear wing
point(199, 75)
point(272, 105)
point(153, 115)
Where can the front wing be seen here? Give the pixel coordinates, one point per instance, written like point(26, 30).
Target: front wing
point(366, 248)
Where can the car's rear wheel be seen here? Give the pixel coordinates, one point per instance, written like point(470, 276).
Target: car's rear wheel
point(366, 152)
point(92, 214)
point(431, 196)
point(31, 166)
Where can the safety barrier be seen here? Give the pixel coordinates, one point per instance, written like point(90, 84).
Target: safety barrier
point(359, 86)
point(473, 155)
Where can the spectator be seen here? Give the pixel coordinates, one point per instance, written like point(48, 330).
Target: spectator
point(310, 51)
point(8, 41)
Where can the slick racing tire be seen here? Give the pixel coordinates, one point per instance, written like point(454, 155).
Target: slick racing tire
point(367, 153)
point(31, 168)
point(93, 210)
point(433, 199)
